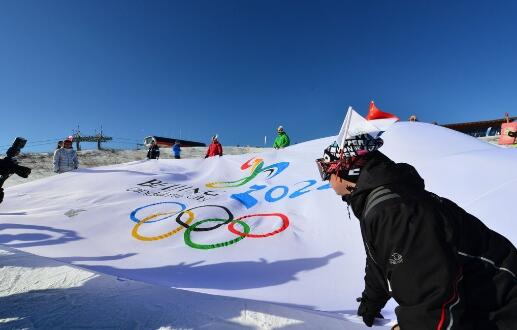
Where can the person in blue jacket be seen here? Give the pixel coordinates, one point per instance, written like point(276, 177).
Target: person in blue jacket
point(176, 149)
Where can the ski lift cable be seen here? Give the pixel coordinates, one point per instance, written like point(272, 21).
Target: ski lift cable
point(32, 142)
point(122, 138)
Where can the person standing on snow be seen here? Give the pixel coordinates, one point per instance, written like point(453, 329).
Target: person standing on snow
point(59, 144)
point(176, 150)
point(215, 148)
point(282, 140)
point(65, 158)
point(442, 265)
point(154, 151)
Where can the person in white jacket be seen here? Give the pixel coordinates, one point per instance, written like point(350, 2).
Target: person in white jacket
point(65, 158)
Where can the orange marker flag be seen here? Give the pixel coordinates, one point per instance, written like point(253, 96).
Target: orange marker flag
point(375, 113)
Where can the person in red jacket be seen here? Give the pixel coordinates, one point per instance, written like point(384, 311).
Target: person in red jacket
point(215, 148)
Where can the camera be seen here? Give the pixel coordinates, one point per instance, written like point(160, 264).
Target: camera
point(9, 165)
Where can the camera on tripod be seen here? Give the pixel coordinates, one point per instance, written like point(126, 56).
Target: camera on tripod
point(9, 165)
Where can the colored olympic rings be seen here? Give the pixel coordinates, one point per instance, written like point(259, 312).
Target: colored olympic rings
point(194, 227)
point(135, 211)
point(230, 218)
point(285, 224)
point(162, 236)
point(189, 242)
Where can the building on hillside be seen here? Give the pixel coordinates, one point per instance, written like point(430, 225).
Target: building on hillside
point(481, 128)
point(164, 142)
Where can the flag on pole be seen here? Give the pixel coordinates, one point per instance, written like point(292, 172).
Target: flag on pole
point(379, 118)
point(374, 124)
point(376, 113)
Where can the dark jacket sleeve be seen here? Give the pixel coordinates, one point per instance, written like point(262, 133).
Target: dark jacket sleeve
point(375, 285)
point(410, 246)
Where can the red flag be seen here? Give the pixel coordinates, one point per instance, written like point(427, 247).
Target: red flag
point(376, 113)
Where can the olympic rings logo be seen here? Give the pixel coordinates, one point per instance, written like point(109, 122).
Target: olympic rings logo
point(255, 169)
point(185, 220)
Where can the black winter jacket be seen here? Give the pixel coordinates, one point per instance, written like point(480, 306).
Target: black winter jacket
point(445, 268)
point(153, 152)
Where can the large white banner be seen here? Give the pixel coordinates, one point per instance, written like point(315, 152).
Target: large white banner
point(260, 226)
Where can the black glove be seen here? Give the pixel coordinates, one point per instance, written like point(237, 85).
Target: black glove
point(369, 310)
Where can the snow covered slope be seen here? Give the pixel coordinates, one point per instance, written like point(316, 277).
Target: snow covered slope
point(179, 223)
point(40, 293)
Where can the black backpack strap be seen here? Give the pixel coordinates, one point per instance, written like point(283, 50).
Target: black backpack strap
point(376, 196)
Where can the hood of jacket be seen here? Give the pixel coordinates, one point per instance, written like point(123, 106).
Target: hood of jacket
point(379, 170)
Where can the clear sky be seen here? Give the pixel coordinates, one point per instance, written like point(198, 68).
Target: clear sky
point(241, 68)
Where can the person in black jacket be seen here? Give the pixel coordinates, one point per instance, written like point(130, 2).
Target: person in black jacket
point(154, 151)
point(442, 265)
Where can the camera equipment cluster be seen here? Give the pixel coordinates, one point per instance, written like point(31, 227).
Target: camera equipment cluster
point(9, 165)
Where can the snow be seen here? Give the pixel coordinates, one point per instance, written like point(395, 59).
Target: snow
point(41, 293)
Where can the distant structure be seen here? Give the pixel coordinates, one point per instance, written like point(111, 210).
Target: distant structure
point(99, 138)
point(164, 142)
point(481, 128)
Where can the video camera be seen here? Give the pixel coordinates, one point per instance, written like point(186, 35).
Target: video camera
point(9, 165)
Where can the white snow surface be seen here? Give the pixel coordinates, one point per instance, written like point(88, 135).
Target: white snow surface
point(41, 293)
point(311, 269)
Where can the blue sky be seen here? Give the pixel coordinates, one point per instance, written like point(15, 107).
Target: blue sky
point(241, 68)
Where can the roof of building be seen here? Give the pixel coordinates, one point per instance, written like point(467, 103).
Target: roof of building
point(478, 124)
point(167, 142)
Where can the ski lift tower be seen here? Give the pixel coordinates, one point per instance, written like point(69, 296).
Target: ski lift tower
point(99, 138)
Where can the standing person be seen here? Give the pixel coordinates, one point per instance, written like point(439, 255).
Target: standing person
point(282, 139)
point(442, 265)
point(215, 148)
point(176, 150)
point(154, 151)
point(65, 159)
point(59, 145)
